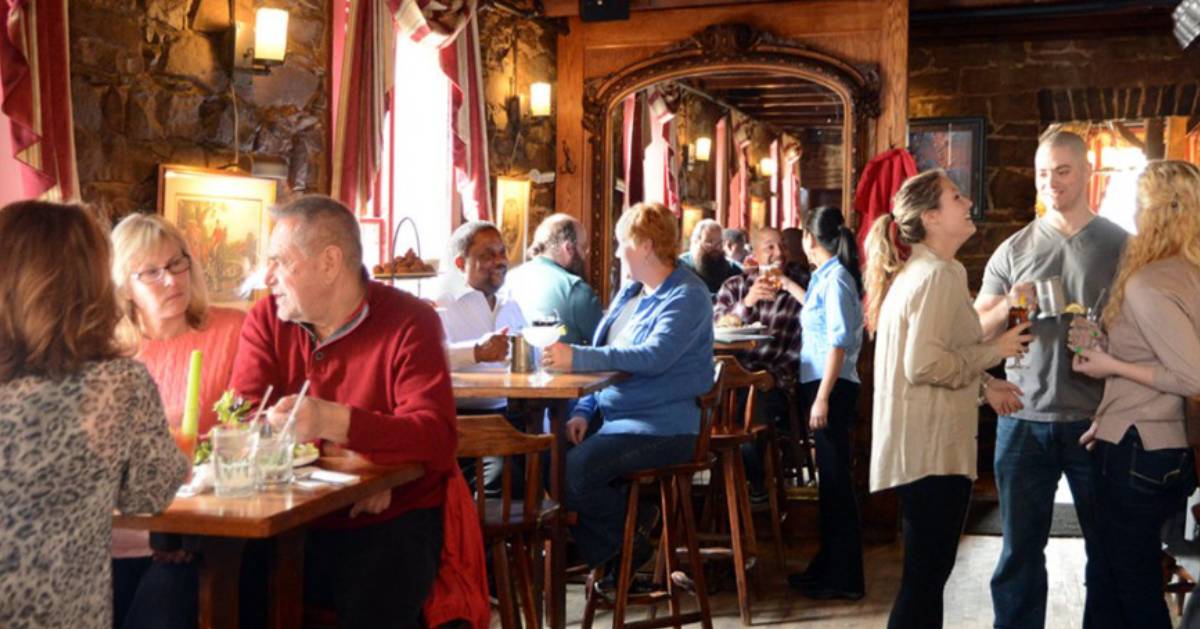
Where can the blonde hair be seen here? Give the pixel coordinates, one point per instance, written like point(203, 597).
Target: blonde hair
point(654, 223)
point(1168, 223)
point(919, 194)
point(133, 238)
point(57, 309)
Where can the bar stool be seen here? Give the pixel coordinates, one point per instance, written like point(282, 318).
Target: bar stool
point(678, 528)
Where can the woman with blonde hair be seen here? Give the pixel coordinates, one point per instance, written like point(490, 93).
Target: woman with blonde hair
point(659, 331)
point(930, 359)
point(83, 428)
point(161, 292)
point(1142, 466)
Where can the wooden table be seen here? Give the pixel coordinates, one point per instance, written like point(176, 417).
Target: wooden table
point(223, 525)
point(742, 343)
point(555, 395)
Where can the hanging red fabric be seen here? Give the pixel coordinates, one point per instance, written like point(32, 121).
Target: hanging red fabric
point(631, 136)
point(881, 178)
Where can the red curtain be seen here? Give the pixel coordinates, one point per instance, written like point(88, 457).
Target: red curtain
point(721, 171)
point(739, 184)
point(776, 218)
point(362, 75)
point(660, 155)
point(791, 182)
point(632, 150)
point(35, 98)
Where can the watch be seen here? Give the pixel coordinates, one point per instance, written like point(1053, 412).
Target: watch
point(984, 380)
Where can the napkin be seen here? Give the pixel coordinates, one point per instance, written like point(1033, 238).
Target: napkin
point(202, 481)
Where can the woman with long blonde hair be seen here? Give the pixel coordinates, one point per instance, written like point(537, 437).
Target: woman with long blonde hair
point(930, 359)
point(1142, 465)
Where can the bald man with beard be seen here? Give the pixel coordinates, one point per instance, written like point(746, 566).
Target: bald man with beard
point(706, 256)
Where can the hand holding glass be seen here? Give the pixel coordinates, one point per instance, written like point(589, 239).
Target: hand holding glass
point(542, 333)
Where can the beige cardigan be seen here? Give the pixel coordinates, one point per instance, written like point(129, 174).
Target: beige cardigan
point(929, 354)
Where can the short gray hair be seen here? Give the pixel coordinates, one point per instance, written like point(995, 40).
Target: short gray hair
point(463, 237)
point(325, 221)
point(702, 227)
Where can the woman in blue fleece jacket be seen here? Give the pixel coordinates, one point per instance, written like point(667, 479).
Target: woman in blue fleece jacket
point(659, 331)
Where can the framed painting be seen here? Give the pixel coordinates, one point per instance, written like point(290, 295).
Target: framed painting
point(225, 217)
point(957, 145)
point(512, 208)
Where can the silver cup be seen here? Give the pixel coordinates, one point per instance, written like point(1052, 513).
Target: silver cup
point(1051, 301)
point(522, 355)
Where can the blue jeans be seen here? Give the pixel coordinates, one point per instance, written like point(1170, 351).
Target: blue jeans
point(595, 490)
point(1030, 458)
point(1136, 491)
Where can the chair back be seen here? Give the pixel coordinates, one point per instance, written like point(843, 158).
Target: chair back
point(738, 380)
point(493, 436)
point(710, 406)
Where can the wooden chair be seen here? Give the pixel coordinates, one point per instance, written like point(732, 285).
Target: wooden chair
point(678, 530)
point(506, 521)
point(730, 431)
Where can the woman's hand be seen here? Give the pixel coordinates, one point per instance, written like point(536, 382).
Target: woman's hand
point(1095, 363)
point(1085, 334)
point(1088, 439)
point(1003, 396)
point(818, 416)
point(1014, 341)
point(577, 429)
point(557, 357)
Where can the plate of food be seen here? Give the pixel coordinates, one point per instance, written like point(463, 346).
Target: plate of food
point(735, 327)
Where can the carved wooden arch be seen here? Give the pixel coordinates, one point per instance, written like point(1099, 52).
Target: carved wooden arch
point(721, 48)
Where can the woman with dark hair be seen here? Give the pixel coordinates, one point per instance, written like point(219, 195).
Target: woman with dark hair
point(83, 428)
point(930, 358)
point(831, 325)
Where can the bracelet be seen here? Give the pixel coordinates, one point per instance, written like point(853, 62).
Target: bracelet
point(984, 380)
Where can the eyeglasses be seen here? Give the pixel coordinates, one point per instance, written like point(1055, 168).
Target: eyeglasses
point(175, 266)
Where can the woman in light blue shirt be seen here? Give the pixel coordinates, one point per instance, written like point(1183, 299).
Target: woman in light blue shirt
point(831, 325)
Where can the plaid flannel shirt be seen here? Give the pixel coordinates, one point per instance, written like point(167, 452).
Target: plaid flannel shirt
point(781, 354)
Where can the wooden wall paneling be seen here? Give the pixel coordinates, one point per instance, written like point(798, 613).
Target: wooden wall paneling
point(569, 186)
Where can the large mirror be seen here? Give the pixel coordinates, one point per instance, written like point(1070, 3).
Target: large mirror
point(733, 124)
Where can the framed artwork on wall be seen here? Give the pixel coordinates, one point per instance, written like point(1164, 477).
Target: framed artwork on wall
point(225, 217)
point(957, 145)
point(512, 208)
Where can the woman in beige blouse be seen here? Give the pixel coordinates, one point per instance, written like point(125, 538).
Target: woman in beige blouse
point(1142, 466)
point(929, 363)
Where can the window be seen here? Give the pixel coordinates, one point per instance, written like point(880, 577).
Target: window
point(416, 177)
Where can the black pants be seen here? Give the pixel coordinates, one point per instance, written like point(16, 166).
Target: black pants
point(839, 562)
point(934, 510)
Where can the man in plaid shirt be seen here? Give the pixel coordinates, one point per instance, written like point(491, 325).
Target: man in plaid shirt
point(773, 300)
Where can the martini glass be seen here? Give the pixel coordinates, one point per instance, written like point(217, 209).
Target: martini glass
point(542, 333)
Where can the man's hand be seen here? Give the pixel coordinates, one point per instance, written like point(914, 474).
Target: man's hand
point(373, 505)
point(1003, 396)
point(577, 429)
point(558, 357)
point(1095, 363)
point(759, 291)
point(818, 416)
point(315, 419)
point(493, 347)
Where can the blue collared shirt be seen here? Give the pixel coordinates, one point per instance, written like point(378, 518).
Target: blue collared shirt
point(832, 317)
point(669, 360)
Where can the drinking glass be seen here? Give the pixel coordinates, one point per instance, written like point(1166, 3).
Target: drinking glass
point(542, 333)
point(273, 460)
point(233, 450)
point(186, 444)
point(1016, 316)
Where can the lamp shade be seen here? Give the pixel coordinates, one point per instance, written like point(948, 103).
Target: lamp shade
point(539, 99)
point(270, 34)
point(766, 166)
point(703, 149)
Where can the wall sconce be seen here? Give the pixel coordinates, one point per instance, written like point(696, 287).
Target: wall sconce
point(703, 149)
point(269, 45)
point(539, 99)
point(766, 166)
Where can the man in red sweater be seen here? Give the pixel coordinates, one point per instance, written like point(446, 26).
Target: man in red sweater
point(379, 387)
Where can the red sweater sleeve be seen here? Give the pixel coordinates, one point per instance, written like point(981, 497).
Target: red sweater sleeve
point(421, 426)
point(256, 365)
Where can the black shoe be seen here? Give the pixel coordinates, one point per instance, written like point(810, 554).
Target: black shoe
point(825, 593)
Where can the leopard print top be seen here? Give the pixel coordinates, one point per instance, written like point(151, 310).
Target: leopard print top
point(71, 451)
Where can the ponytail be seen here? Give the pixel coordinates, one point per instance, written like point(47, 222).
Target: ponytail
point(884, 261)
point(828, 227)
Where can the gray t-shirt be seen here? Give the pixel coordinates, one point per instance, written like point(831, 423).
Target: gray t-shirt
point(1087, 263)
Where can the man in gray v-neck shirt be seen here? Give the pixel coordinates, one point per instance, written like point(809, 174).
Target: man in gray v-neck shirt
point(1036, 445)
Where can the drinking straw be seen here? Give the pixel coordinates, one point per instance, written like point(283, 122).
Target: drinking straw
point(291, 420)
point(262, 406)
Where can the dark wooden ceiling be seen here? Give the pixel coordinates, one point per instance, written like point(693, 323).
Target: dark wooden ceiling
point(787, 103)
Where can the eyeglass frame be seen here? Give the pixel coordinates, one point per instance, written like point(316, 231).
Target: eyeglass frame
point(159, 272)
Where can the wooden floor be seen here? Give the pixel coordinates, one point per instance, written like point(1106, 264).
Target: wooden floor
point(968, 599)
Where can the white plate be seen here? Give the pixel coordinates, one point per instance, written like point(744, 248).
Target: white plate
point(754, 328)
point(305, 460)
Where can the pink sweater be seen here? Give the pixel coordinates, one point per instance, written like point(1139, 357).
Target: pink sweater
point(167, 362)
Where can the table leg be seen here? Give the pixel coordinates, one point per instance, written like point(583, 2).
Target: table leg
point(219, 571)
point(287, 581)
point(556, 547)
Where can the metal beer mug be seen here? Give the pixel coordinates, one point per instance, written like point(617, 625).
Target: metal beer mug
point(1051, 301)
point(521, 355)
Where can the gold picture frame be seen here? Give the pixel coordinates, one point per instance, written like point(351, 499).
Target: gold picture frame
point(512, 209)
point(225, 218)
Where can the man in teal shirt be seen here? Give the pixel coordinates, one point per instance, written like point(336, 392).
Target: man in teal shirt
point(552, 280)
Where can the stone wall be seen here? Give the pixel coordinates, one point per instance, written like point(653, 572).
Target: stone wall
point(150, 85)
point(517, 52)
point(1001, 81)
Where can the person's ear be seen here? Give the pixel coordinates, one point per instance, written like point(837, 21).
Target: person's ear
point(330, 261)
point(460, 263)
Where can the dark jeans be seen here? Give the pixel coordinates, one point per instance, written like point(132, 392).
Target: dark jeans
point(770, 409)
point(154, 594)
point(934, 510)
point(1136, 490)
point(596, 491)
point(839, 562)
point(1030, 458)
